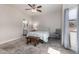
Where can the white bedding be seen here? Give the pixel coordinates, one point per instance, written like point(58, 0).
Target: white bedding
point(42, 34)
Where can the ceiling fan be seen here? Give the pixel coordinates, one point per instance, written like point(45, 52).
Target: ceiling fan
point(34, 8)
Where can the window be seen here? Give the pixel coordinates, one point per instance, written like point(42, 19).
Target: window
point(73, 19)
point(73, 14)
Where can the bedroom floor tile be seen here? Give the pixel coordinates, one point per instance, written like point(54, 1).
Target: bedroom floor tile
point(52, 47)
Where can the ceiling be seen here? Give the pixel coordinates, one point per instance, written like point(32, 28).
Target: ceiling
point(45, 8)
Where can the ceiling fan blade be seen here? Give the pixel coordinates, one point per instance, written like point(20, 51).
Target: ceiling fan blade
point(39, 10)
point(30, 5)
point(27, 9)
point(39, 6)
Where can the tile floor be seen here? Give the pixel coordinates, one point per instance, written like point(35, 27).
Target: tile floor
point(52, 47)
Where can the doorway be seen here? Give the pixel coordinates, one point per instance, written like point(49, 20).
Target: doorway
point(70, 28)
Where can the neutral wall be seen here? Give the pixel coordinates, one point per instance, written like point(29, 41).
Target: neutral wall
point(49, 21)
point(11, 27)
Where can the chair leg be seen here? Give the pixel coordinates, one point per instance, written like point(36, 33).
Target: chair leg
point(35, 44)
point(28, 41)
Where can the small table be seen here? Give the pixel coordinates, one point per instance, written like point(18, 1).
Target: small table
point(32, 40)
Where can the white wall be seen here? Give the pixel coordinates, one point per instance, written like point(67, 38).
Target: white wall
point(10, 23)
point(49, 21)
point(11, 27)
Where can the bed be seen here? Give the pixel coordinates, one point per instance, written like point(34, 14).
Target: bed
point(42, 34)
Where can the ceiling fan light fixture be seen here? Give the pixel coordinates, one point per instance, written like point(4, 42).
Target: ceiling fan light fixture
point(34, 10)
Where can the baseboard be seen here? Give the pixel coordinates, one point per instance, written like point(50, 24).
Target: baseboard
point(11, 41)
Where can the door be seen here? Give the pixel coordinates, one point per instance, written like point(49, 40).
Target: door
point(66, 31)
point(70, 28)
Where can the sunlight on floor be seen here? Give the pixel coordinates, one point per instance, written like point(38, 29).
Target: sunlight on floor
point(53, 51)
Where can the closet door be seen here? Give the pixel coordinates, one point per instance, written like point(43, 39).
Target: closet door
point(66, 31)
